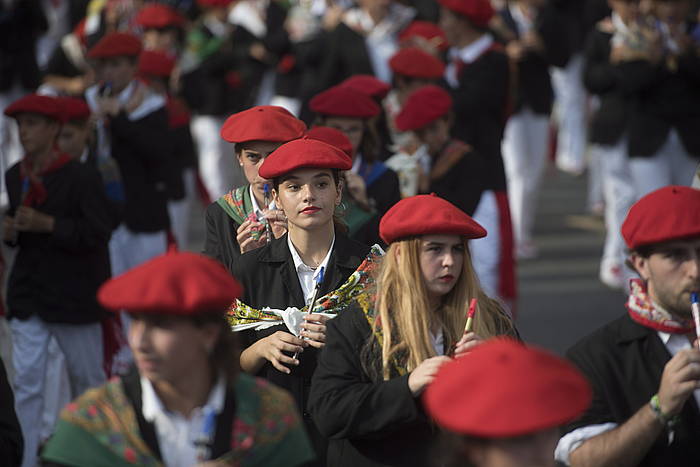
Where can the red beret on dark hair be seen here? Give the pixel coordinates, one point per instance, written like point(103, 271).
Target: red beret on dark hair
point(341, 101)
point(302, 153)
point(116, 44)
point(503, 388)
point(427, 215)
point(262, 123)
point(158, 16)
point(669, 213)
point(478, 12)
point(431, 32)
point(423, 106)
point(37, 104)
point(367, 84)
point(74, 108)
point(416, 63)
point(331, 136)
point(176, 283)
point(155, 63)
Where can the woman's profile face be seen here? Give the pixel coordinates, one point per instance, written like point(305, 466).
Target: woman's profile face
point(441, 261)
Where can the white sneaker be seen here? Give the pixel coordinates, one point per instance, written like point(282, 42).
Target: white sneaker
point(611, 275)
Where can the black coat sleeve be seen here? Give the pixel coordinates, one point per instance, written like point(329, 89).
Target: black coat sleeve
point(148, 135)
point(344, 402)
point(92, 225)
point(220, 241)
point(486, 93)
point(11, 442)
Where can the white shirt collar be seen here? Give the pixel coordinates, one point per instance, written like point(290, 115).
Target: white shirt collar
point(299, 263)
point(471, 52)
point(356, 163)
point(152, 407)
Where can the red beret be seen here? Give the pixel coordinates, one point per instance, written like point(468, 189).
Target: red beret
point(262, 123)
point(341, 101)
point(669, 213)
point(158, 16)
point(423, 106)
point(416, 63)
point(431, 32)
point(37, 104)
point(367, 84)
point(426, 215)
point(504, 389)
point(155, 63)
point(303, 152)
point(74, 108)
point(176, 283)
point(116, 44)
point(478, 12)
point(331, 136)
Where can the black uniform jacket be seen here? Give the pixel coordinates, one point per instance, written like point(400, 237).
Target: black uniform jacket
point(480, 107)
point(533, 87)
point(369, 423)
point(143, 151)
point(459, 180)
point(56, 275)
point(384, 193)
point(624, 362)
point(10, 433)
point(668, 97)
point(346, 55)
point(220, 241)
point(614, 84)
point(269, 278)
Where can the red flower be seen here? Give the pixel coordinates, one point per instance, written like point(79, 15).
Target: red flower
point(130, 455)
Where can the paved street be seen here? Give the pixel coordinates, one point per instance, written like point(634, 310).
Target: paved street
point(561, 298)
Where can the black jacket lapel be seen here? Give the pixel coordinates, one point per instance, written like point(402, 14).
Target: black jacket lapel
point(132, 388)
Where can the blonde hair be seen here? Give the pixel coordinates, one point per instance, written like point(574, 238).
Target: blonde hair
point(403, 312)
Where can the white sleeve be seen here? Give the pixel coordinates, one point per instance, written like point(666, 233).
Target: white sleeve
point(570, 441)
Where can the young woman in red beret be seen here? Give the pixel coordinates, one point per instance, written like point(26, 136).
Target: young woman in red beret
point(315, 255)
point(371, 187)
point(186, 403)
point(384, 350)
point(235, 223)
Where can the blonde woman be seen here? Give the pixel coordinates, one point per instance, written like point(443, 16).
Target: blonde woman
point(384, 350)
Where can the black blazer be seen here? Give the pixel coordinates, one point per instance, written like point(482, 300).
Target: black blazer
point(11, 441)
point(463, 184)
point(665, 100)
point(21, 24)
point(345, 55)
point(384, 193)
point(143, 150)
point(269, 279)
point(480, 107)
point(624, 362)
point(368, 423)
point(56, 275)
point(533, 88)
point(220, 241)
point(614, 84)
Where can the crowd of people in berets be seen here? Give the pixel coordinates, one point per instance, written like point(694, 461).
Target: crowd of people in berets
point(369, 172)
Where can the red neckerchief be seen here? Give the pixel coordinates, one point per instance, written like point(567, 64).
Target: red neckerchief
point(642, 310)
point(33, 190)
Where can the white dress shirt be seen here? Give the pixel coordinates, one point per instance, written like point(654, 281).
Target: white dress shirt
point(307, 275)
point(176, 434)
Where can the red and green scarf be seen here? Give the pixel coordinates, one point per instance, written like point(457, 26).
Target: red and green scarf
point(644, 311)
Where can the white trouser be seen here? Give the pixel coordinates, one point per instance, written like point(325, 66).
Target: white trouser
point(179, 210)
point(619, 193)
point(486, 251)
point(82, 347)
point(671, 165)
point(57, 388)
point(218, 167)
point(571, 113)
point(129, 249)
point(595, 180)
point(524, 156)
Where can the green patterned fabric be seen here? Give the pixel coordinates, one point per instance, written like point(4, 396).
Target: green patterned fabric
point(100, 429)
point(237, 203)
point(240, 314)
